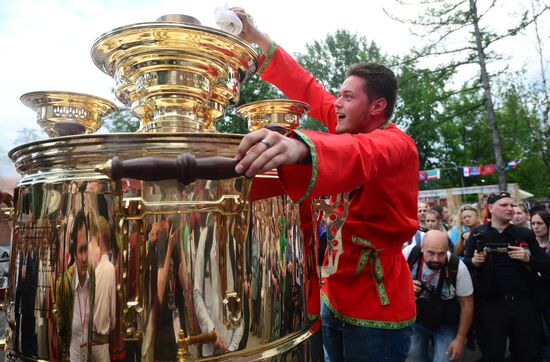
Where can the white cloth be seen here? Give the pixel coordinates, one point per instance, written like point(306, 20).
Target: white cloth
point(105, 296)
point(227, 20)
point(100, 353)
point(464, 286)
point(208, 302)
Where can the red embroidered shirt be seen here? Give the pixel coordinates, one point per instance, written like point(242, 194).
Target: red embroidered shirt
point(366, 280)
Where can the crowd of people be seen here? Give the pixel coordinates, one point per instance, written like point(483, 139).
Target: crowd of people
point(481, 284)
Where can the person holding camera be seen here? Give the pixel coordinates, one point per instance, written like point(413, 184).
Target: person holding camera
point(444, 299)
point(505, 260)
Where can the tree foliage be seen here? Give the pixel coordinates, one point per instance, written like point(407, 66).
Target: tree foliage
point(456, 33)
point(121, 120)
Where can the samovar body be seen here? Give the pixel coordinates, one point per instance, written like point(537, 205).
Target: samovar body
point(209, 270)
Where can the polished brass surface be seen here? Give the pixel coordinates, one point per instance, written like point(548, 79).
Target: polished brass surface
point(67, 113)
point(249, 286)
point(283, 113)
point(201, 271)
point(6, 213)
point(174, 69)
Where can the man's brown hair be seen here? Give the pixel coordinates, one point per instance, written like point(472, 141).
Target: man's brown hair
point(380, 82)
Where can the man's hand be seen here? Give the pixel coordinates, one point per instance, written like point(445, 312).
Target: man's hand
point(417, 287)
point(153, 232)
point(219, 343)
point(456, 349)
point(6, 198)
point(518, 253)
point(263, 150)
point(172, 238)
point(479, 258)
point(250, 32)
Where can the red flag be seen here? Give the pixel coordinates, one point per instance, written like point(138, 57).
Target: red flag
point(488, 169)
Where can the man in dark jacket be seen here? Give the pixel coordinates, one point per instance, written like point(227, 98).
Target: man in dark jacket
point(504, 260)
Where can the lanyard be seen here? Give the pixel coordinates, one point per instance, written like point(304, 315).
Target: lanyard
point(82, 318)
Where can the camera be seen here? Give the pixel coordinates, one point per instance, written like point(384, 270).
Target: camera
point(427, 291)
point(487, 247)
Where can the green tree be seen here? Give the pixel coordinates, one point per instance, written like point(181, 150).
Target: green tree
point(459, 32)
point(420, 110)
point(253, 89)
point(121, 120)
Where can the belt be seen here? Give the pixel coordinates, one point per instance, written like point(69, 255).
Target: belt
point(371, 256)
point(98, 339)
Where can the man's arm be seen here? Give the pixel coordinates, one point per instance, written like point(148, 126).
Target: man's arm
point(456, 348)
point(282, 70)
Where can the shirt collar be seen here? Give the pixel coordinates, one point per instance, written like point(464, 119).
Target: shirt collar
point(77, 279)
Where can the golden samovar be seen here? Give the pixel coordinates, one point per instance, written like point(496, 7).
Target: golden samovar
point(206, 265)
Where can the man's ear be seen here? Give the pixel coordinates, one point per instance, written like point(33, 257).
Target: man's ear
point(378, 106)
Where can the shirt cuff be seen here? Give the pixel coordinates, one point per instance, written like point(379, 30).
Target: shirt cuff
point(268, 57)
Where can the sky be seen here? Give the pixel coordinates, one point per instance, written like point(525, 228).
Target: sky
point(46, 43)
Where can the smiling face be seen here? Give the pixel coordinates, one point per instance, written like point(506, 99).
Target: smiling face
point(356, 113)
point(352, 106)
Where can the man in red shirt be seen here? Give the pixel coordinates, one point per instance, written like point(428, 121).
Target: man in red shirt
point(371, 168)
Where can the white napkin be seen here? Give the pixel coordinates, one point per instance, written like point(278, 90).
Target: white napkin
point(227, 20)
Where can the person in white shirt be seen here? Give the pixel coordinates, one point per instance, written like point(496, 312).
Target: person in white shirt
point(105, 295)
point(444, 299)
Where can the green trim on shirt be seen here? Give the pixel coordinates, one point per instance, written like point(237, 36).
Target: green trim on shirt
point(314, 165)
point(268, 57)
point(367, 323)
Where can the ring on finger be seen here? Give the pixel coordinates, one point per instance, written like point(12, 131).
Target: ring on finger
point(266, 143)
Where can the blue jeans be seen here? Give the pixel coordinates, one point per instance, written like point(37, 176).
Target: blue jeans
point(421, 337)
point(346, 342)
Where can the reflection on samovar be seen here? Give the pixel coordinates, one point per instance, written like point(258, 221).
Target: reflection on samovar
point(164, 267)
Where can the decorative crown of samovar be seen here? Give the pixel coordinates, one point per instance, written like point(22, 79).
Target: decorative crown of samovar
point(176, 76)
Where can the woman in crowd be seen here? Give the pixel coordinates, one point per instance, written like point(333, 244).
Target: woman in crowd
point(540, 222)
point(521, 215)
point(468, 219)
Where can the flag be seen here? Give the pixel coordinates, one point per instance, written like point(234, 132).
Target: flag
point(474, 171)
point(466, 171)
point(488, 169)
point(423, 176)
point(433, 174)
